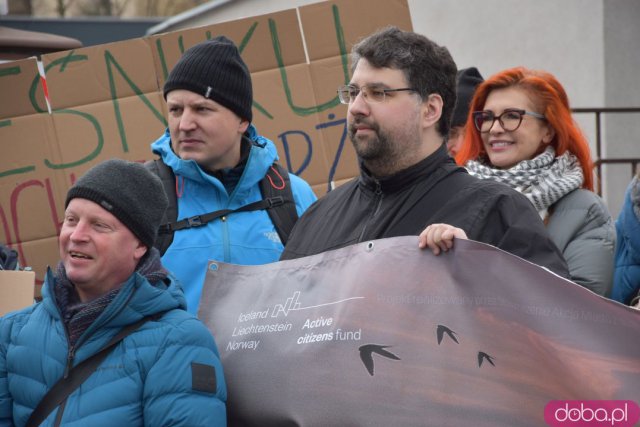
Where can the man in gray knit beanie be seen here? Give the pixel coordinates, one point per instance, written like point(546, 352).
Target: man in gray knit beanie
point(112, 214)
point(129, 192)
point(111, 338)
point(212, 159)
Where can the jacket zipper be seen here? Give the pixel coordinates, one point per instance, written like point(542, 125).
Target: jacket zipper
point(226, 247)
point(71, 355)
point(378, 203)
point(224, 226)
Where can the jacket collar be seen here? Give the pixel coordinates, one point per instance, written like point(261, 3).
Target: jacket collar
point(391, 184)
point(137, 298)
point(230, 176)
point(261, 156)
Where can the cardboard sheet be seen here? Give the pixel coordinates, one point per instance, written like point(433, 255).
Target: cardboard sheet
point(16, 290)
point(106, 102)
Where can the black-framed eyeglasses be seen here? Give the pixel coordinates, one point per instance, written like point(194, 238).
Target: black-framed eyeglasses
point(348, 93)
point(510, 119)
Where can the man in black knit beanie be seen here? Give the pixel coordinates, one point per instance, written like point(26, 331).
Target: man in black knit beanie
point(217, 162)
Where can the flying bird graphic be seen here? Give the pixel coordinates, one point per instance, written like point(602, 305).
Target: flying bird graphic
point(441, 330)
point(482, 356)
point(366, 354)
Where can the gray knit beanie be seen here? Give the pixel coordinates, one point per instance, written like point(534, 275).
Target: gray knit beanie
point(215, 70)
point(129, 192)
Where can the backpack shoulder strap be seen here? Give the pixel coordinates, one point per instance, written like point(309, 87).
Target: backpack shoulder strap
point(166, 175)
point(78, 374)
point(277, 200)
point(277, 184)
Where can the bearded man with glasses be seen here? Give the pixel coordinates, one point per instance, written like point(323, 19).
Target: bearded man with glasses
point(400, 102)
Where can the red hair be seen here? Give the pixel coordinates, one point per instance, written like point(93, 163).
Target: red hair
point(547, 93)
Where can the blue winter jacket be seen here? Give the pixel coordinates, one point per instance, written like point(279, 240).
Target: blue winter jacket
point(151, 378)
point(246, 238)
point(626, 278)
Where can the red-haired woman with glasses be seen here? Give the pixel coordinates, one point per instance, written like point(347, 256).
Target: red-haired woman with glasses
point(520, 132)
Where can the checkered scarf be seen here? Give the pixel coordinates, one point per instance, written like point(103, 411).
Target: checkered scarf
point(544, 180)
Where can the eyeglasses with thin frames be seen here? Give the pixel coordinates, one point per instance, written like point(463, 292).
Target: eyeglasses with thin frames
point(348, 93)
point(510, 119)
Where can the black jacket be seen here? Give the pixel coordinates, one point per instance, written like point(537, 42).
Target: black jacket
point(434, 190)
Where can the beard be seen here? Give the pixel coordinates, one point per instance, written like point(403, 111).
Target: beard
point(386, 151)
point(370, 147)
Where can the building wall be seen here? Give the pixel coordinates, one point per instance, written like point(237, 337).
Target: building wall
point(622, 89)
point(589, 45)
point(492, 35)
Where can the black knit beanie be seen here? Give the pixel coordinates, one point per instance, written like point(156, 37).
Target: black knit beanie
point(129, 192)
point(468, 80)
point(215, 70)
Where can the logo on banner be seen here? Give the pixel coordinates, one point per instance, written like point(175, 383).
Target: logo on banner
point(292, 304)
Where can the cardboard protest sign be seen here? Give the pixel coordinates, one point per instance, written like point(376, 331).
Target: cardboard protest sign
point(16, 290)
point(105, 101)
point(382, 333)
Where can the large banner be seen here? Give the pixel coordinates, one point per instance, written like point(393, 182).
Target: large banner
point(385, 334)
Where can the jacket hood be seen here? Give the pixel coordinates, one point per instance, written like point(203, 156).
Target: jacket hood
point(137, 298)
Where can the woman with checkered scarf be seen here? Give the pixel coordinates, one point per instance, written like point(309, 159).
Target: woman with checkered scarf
point(520, 132)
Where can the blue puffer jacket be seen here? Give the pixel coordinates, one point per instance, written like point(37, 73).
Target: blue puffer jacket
point(147, 380)
point(626, 278)
point(246, 238)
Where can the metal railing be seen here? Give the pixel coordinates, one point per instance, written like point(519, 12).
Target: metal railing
point(633, 162)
